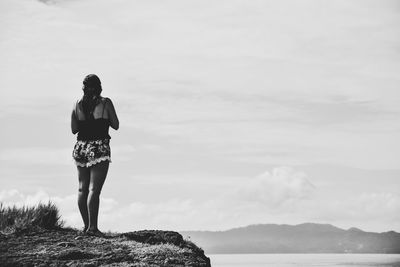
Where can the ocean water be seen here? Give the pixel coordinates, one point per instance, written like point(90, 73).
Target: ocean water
point(304, 260)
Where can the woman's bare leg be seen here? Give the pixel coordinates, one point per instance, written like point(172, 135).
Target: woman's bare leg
point(84, 180)
point(98, 174)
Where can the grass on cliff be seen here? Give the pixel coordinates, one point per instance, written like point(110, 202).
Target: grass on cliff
point(14, 219)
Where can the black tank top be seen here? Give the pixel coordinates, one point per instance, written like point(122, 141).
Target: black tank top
point(93, 129)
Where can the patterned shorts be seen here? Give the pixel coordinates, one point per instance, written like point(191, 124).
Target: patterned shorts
point(89, 153)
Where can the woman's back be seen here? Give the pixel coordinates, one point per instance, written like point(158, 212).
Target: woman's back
point(100, 110)
point(95, 125)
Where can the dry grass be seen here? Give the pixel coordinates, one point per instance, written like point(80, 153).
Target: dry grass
point(14, 219)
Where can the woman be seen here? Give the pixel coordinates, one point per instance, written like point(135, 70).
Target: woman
point(91, 117)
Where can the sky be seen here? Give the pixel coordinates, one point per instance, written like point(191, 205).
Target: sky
point(231, 112)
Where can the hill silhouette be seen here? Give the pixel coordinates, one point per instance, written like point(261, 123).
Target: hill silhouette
point(302, 238)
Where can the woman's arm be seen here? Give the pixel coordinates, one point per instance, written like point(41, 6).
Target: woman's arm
point(74, 121)
point(112, 115)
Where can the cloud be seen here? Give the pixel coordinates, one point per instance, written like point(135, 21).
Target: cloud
point(15, 197)
point(280, 196)
point(275, 188)
point(371, 211)
point(242, 203)
point(11, 196)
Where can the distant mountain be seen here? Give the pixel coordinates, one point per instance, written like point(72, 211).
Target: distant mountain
point(301, 238)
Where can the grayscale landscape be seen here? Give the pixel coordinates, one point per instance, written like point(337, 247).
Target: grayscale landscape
point(246, 127)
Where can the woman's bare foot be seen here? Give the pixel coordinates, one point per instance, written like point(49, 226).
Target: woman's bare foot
point(95, 232)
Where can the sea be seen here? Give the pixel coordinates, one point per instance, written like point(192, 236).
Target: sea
point(304, 260)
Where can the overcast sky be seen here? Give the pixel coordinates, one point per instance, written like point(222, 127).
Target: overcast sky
point(232, 112)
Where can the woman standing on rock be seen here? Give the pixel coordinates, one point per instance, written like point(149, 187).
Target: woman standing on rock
point(91, 117)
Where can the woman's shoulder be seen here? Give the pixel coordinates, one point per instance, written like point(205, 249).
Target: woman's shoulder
point(77, 102)
point(106, 100)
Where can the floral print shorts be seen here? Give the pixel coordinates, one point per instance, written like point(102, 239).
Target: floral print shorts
point(89, 153)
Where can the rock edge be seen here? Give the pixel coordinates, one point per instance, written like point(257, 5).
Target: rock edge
point(69, 247)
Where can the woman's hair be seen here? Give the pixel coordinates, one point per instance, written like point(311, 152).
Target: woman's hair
point(91, 94)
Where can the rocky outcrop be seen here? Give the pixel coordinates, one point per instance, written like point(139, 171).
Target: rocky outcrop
point(67, 247)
